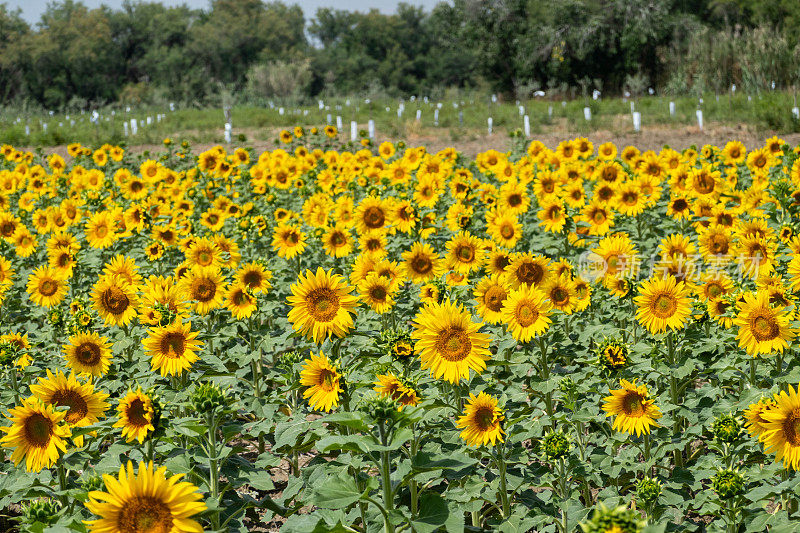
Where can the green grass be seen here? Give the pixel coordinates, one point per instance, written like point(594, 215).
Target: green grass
point(768, 111)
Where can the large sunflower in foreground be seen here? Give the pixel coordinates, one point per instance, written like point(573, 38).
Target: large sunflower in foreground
point(526, 313)
point(137, 416)
point(88, 353)
point(37, 434)
point(636, 412)
point(145, 502)
point(448, 341)
point(782, 428)
point(481, 421)
point(173, 348)
point(762, 328)
point(321, 305)
point(323, 382)
point(115, 300)
point(663, 303)
point(85, 406)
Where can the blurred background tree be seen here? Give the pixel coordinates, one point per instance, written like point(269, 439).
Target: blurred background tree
point(147, 52)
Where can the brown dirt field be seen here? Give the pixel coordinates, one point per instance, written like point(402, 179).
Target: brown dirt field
point(471, 143)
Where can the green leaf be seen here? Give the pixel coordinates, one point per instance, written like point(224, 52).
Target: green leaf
point(351, 443)
point(352, 420)
point(433, 513)
point(335, 492)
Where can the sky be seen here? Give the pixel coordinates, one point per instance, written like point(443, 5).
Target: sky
point(32, 9)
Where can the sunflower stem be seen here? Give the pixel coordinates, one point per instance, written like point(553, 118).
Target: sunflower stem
point(502, 467)
point(62, 482)
point(673, 391)
point(15, 384)
point(386, 478)
point(213, 465)
point(753, 377)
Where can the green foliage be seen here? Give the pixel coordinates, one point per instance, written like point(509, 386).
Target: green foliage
point(146, 53)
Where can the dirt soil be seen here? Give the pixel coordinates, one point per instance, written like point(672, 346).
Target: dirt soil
point(471, 143)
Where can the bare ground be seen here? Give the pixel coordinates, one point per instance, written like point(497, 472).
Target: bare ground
point(472, 142)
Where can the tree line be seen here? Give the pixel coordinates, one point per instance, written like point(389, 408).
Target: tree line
point(255, 50)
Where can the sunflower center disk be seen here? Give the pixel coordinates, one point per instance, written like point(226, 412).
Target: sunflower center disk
point(76, 403)
point(323, 304)
point(38, 429)
point(115, 300)
point(137, 414)
point(494, 298)
point(421, 265)
point(145, 515)
point(664, 306)
point(453, 344)
point(484, 418)
point(173, 345)
point(765, 328)
point(791, 428)
point(632, 405)
point(48, 287)
point(374, 217)
point(526, 315)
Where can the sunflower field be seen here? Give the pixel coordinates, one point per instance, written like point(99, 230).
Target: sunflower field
point(378, 338)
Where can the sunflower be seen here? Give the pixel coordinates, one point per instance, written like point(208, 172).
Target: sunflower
point(599, 217)
point(100, 230)
point(763, 329)
point(115, 300)
point(172, 348)
point(527, 269)
point(482, 420)
point(465, 253)
point(526, 313)
point(145, 501)
point(422, 264)
point(618, 253)
point(125, 268)
point(203, 252)
point(88, 353)
point(636, 412)
point(562, 293)
point(552, 215)
point(337, 241)
point(378, 292)
point(321, 305)
point(37, 434)
point(240, 301)
point(390, 386)
point(137, 416)
point(85, 406)
point(254, 276)
point(513, 198)
point(782, 428)
point(205, 287)
point(288, 241)
point(504, 229)
point(372, 214)
point(323, 382)
point(663, 303)
point(490, 293)
point(46, 287)
point(448, 341)
point(755, 423)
